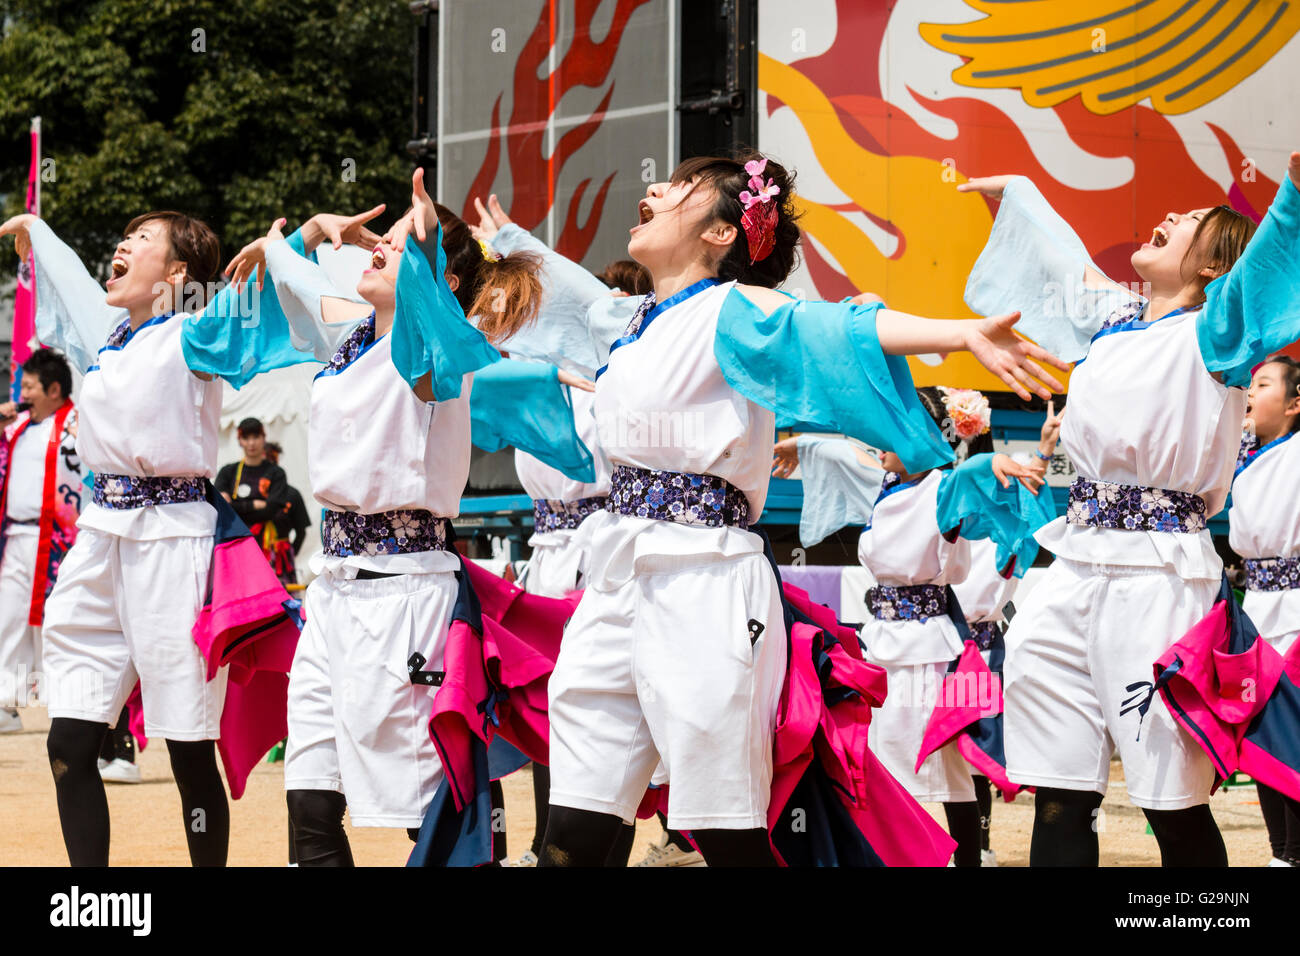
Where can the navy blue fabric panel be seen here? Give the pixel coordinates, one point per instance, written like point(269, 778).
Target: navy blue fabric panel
point(448, 838)
point(826, 834)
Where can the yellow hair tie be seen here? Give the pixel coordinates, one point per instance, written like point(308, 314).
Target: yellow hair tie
point(490, 254)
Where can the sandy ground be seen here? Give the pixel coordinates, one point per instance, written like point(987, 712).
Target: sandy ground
point(147, 823)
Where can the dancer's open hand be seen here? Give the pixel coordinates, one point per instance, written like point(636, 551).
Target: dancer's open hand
point(1293, 170)
point(1011, 358)
point(349, 229)
point(17, 227)
point(490, 218)
point(1005, 468)
point(576, 381)
point(785, 457)
point(253, 256)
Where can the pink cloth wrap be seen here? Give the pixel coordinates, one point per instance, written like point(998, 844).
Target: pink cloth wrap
point(248, 625)
point(1228, 702)
point(516, 653)
point(970, 693)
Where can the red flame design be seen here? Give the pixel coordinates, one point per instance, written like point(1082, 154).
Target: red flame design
point(586, 63)
point(1111, 222)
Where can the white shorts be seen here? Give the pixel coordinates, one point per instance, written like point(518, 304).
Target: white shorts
point(1079, 663)
point(357, 725)
point(898, 728)
point(556, 565)
point(663, 667)
point(123, 611)
point(19, 641)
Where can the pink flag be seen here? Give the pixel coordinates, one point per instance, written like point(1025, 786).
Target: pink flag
point(25, 293)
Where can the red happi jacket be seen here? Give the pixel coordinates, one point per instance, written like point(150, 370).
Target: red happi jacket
point(61, 500)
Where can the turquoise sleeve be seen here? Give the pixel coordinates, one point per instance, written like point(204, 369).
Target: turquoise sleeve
point(431, 335)
point(820, 367)
point(1254, 310)
point(523, 405)
point(243, 332)
point(973, 501)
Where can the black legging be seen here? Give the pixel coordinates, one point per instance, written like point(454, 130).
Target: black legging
point(316, 827)
point(1282, 818)
point(1066, 823)
point(586, 838)
point(984, 797)
point(964, 827)
point(74, 745)
point(317, 837)
point(541, 804)
point(118, 742)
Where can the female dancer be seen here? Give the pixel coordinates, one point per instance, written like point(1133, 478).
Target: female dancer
point(916, 547)
point(130, 589)
point(1136, 566)
point(1265, 531)
point(677, 651)
point(984, 595)
point(389, 462)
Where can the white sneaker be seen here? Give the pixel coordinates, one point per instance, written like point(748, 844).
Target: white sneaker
point(10, 722)
point(664, 853)
point(120, 771)
point(1276, 862)
point(525, 859)
point(988, 858)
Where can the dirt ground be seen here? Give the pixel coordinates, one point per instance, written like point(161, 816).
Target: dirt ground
point(147, 818)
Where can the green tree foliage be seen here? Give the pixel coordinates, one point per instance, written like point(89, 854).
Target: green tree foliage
point(236, 111)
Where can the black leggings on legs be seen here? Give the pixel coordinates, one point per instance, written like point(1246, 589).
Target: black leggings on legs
point(964, 827)
point(984, 797)
point(586, 838)
point(1282, 818)
point(1066, 824)
point(316, 821)
point(204, 808)
point(118, 742)
point(541, 805)
point(1188, 837)
point(1065, 828)
point(73, 746)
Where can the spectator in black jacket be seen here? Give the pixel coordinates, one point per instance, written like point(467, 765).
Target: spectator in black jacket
point(255, 486)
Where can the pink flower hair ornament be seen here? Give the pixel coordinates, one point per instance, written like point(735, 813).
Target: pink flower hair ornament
point(968, 410)
point(761, 213)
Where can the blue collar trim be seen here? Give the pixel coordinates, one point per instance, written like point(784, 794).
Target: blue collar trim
point(1135, 325)
point(695, 288)
point(1254, 455)
point(130, 334)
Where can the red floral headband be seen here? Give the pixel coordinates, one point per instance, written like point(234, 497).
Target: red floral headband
point(761, 213)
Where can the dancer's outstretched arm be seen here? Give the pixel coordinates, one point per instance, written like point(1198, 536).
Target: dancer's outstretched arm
point(71, 312)
point(1254, 310)
point(1033, 261)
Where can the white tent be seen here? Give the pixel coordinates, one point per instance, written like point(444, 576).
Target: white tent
point(281, 400)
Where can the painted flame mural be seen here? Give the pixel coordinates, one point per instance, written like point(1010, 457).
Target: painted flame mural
point(553, 105)
point(1120, 111)
point(537, 87)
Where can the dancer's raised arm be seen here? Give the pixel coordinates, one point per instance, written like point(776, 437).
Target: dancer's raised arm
point(72, 313)
point(1035, 262)
point(1254, 309)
